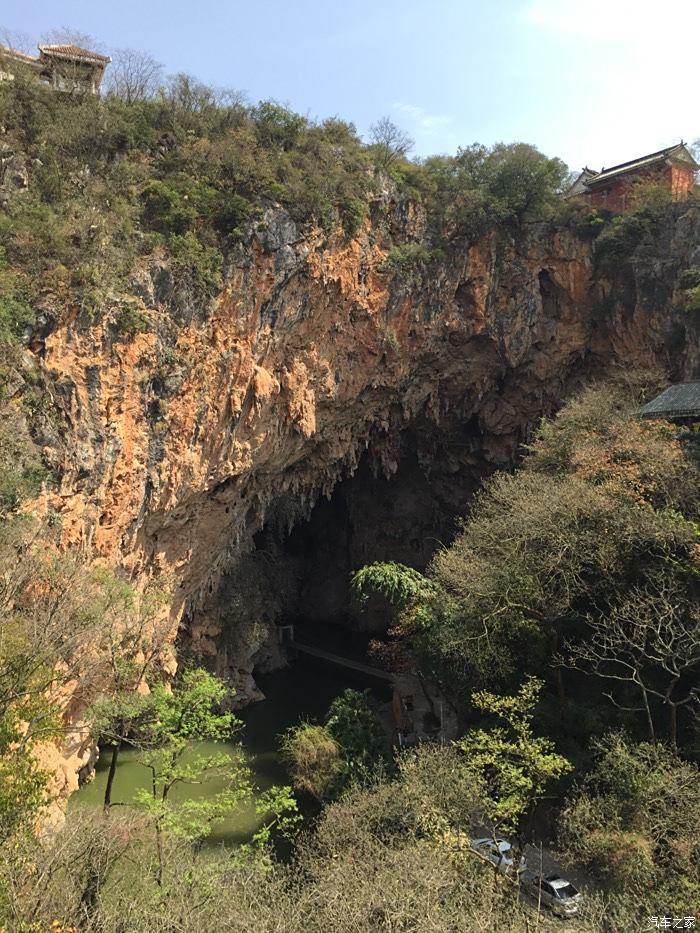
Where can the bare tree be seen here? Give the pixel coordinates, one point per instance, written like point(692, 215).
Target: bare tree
point(186, 93)
point(134, 75)
point(67, 35)
point(389, 142)
point(14, 39)
point(651, 640)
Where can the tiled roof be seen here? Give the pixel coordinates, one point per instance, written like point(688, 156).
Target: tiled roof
point(17, 55)
point(643, 162)
point(74, 52)
point(580, 184)
point(679, 401)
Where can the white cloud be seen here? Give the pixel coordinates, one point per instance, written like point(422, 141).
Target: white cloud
point(421, 121)
point(410, 109)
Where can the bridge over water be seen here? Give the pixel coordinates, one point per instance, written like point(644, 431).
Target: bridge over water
point(417, 710)
point(287, 637)
point(350, 663)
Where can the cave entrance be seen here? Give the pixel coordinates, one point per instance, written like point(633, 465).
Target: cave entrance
point(372, 517)
point(399, 505)
point(367, 518)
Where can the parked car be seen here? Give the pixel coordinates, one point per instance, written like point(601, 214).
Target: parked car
point(554, 892)
point(500, 853)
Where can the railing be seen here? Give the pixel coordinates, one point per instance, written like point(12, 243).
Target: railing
point(286, 637)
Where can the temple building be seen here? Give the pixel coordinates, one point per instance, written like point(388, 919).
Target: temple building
point(680, 403)
point(65, 68)
point(621, 187)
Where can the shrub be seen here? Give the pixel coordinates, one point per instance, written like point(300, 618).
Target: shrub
point(165, 209)
point(353, 721)
point(690, 278)
point(692, 298)
point(406, 257)
point(150, 242)
point(389, 339)
point(197, 266)
point(21, 471)
point(627, 231)
point(277, 127)
point(16, 315)
point(585, 221)
point(18, 484)
point(231, 214)
point(131, 321)
point(314, 758)
point(35, 236)
point(689, 282)
point(352, 212)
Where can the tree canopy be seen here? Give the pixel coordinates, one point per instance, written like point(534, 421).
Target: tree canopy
point(596, 533)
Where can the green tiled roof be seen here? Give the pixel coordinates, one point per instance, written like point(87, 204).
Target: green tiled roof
point(679, 401)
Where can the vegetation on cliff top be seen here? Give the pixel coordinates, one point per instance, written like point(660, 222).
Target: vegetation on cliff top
point(170, 178)
point(188, 170)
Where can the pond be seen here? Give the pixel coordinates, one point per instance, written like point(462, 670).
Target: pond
point(302, 691)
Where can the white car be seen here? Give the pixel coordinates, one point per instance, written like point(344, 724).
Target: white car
point(500, 853)
point(554, 892)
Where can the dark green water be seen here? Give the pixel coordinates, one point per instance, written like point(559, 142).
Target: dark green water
point(303, 691)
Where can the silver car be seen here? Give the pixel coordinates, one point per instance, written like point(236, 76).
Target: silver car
point(499, 852)
point(554, 892)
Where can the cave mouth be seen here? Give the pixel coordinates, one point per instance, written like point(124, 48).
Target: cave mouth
point(368, 517)
point(400, 504)
point(371, 516)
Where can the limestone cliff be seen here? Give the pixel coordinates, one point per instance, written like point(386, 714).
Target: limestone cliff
point(175, 446)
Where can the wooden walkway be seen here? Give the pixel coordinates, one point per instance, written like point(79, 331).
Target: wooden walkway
point(343, 662)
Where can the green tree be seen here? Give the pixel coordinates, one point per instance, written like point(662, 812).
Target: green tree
point(633, 822)
point(180, 716)
point(185, 714)
point(353, 721)
point(22, 782)
point(522, 179)
point(131, 645)
point(514, 765)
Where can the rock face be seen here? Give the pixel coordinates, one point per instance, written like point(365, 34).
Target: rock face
point(182, 448)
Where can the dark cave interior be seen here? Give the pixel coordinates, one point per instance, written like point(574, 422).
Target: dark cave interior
point(371, 517)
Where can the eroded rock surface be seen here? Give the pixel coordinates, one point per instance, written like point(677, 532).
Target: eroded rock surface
point(178, 445)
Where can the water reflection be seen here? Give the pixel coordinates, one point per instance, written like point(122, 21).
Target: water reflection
point(304, 690)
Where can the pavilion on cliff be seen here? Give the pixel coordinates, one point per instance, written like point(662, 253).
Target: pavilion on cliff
point(65, 68)
point(621, 187)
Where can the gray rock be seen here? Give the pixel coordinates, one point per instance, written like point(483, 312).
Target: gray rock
point(173, 383)
point(163, 283)
point(278, 230)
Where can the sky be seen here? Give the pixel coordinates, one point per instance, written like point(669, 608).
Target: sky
point(595, 82)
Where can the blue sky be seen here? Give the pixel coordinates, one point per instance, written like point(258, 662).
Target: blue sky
point(592, 81)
